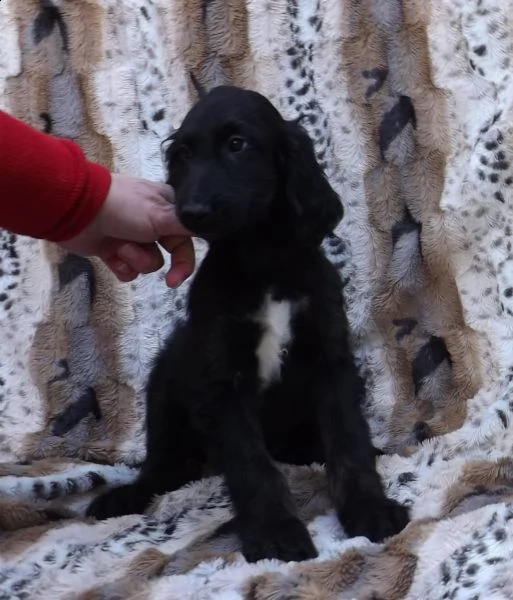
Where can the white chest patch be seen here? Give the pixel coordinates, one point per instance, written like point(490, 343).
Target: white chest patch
point(274, 318)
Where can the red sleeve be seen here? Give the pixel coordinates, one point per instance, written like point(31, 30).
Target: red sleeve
point(48, 189)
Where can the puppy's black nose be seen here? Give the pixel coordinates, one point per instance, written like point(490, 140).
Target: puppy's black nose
point(195, 216)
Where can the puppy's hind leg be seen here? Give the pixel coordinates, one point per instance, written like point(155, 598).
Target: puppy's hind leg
point(356, 487)
point(169, 470)
point(174, 455)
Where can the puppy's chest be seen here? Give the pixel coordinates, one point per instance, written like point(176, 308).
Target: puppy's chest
point(276, 321)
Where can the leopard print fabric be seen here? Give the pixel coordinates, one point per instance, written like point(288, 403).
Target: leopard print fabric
point(409, 105)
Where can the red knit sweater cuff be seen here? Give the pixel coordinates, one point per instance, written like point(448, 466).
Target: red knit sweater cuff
point(48, 189)
point(91, 188)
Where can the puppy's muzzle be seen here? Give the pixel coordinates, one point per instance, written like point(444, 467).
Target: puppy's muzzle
point(197, 217)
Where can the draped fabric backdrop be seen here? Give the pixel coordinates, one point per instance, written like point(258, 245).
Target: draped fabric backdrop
point(410, 107)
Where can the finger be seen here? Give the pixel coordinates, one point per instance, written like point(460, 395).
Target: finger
point(169, 224)
point(141, 258)
point(166, 191)
point(120, 269)
point(182, 263)
point(183, 259)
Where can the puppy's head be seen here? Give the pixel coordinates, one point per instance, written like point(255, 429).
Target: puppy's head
point(235, 162)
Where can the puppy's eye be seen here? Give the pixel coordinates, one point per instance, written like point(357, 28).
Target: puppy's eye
point(183, 153)
point(236, 144)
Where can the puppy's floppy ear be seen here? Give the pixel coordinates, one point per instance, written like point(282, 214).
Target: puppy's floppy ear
point(165, 149)
point(313, 203)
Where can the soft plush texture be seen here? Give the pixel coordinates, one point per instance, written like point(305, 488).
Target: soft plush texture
point(410, 109)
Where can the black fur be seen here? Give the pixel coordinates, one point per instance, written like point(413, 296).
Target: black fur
point(248, 182)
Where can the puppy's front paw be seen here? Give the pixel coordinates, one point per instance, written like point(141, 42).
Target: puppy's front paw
point(285, 539)
point(374, 517)
point(124, 500)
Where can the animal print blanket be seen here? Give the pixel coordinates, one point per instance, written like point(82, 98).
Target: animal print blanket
point(410, 107)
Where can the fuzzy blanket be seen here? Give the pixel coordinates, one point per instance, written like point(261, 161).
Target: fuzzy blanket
point(410, 107)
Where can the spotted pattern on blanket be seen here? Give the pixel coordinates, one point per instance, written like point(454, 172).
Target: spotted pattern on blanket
point(409, 107)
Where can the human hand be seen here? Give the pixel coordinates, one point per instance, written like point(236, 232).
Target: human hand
point(135, 216)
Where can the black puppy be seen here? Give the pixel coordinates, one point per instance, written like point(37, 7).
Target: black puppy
point(262, 369)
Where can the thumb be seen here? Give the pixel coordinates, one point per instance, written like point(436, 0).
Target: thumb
point(182, 259)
